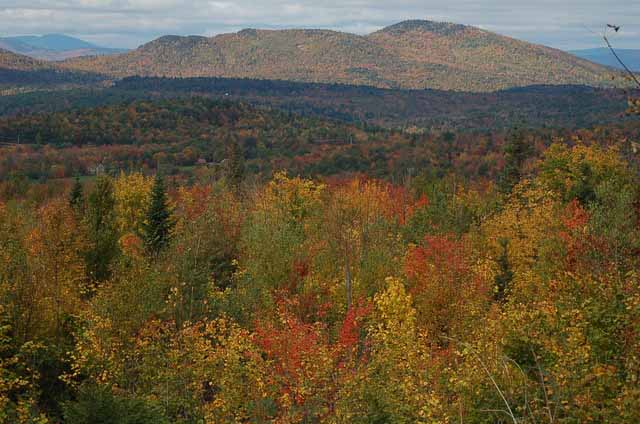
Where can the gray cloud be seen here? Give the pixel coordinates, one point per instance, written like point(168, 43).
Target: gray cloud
point(565, 24)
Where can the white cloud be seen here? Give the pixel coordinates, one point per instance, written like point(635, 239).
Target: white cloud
point(128, 23)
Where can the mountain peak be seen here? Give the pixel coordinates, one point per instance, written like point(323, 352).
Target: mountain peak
point(176, 41)
point(248, 32)
point(417, 25)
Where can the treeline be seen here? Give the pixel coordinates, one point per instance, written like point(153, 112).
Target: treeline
point(38, 101)
point(45, 77)
point(131, 299)
point(536, 106)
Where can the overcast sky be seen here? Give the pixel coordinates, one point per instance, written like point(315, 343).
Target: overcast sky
point(565, 24)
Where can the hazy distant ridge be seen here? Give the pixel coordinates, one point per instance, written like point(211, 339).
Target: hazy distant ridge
point(54, 47)
point(603, 56)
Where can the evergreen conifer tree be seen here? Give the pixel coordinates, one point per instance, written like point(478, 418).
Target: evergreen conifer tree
point(234, 170)
point(517, 151)
point(159, 221)
point(76, 197)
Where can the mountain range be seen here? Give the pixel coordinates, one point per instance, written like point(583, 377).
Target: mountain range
point(412, 55)
point(603, 56)
point(54, 47)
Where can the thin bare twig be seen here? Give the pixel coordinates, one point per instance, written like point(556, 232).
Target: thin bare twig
point(509, 412)
point(527, 407)
point(551, 413)
point(626, 68)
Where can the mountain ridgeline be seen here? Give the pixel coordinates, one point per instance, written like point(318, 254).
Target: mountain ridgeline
point(17, 62)
point(18, 70)
point(53, 47)
point(410, 55)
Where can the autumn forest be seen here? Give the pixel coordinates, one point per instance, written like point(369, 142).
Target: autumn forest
point(179, 244)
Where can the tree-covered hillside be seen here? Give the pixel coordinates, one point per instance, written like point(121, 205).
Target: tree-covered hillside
point(19, 72)
point(412, 54)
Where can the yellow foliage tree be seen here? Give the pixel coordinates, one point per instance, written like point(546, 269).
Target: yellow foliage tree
point(396, 385)
point(355, 242)
point(526, 231)
point(57, 271)
point(132, 193)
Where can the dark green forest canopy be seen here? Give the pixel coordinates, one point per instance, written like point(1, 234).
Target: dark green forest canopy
point(537, 106)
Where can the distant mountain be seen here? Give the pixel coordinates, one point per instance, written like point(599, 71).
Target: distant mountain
point(603, 56)
point(411, 54)
point(54, 47)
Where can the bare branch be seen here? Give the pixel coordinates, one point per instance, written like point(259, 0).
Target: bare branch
point(631, 74)
point(508, 411)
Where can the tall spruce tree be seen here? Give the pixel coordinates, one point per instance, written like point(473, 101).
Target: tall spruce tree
point(159, 221)
point(76, 197)
point(234, 169)
point(517, 150)
point(102, 232)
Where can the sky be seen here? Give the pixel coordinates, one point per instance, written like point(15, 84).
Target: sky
point(564, 24)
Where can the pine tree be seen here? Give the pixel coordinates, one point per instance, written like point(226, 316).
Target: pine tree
point(516, 151)
point(159, 221)
point(101, 230)
point(76, 197)
point(234, 170)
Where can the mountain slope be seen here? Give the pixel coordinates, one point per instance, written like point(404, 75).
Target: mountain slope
point(54, 47)
point(18, 62)
point(21, 71)
point(603, 56)
point(411, 54)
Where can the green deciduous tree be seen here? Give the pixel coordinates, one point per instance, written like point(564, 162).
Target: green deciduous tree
point(101, 230)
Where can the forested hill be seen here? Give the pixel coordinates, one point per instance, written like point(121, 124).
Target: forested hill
point(10, 60)
point(411, 54)
point(18, 70)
